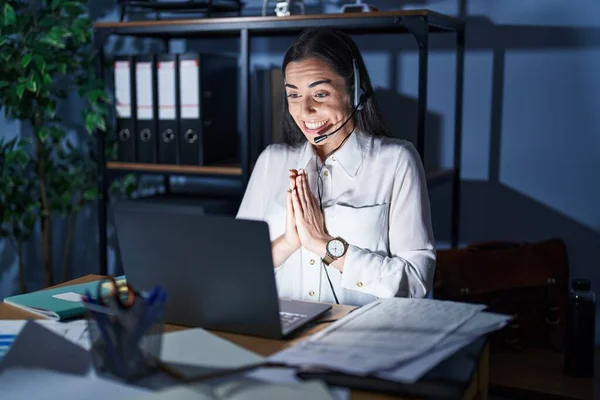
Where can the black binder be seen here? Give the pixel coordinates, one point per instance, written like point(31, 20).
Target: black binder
point(448, 380)
point(208, 109)
point(124, 81)
point(168, 108)
point(147, 108)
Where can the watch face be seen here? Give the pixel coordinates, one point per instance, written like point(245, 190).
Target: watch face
point(335, 248)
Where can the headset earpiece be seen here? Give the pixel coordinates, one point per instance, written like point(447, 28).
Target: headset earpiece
point(360, 96)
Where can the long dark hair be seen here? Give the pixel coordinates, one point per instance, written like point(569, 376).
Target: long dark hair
point(337, 49)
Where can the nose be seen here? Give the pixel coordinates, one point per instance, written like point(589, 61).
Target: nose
point(308, 107)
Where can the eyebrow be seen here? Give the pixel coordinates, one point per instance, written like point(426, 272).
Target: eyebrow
point(315, 83)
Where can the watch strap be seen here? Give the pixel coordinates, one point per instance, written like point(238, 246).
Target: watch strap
point(327, 259)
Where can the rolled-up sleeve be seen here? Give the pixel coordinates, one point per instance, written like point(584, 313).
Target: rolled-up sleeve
point(408, 269)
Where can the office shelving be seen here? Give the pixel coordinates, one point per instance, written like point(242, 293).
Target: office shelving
point(418, 23)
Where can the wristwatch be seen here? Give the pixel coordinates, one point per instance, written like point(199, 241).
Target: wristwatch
point(334, 249)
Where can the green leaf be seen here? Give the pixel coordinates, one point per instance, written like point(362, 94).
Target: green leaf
point(90, 194)
point(3, 40)
point(90, 122)
point(20, 89)
point(26, 60)
point(9, 15)
point(21, 157)
point(32, 84)
point(56, 4)
point(39, 62)
point(101, 124)
point(4, 84)
point(43, 134)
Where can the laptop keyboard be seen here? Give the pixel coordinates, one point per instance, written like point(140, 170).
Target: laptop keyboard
point(288, 318)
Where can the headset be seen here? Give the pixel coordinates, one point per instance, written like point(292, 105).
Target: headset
point(359, 97)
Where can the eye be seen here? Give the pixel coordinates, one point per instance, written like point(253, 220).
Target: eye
point(321, 95)
point(293, 95)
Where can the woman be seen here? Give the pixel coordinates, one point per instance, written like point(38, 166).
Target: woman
point(347, 206)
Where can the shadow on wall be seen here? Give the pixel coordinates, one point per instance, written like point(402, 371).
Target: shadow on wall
point(400, 113)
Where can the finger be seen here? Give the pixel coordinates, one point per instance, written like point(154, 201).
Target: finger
point(298, 210)
point(293, 175)
point(290, 205)
point(308, 197)
point(301, 195)
point(290, 218)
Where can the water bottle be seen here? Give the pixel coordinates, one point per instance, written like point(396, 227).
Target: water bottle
point(580, 335)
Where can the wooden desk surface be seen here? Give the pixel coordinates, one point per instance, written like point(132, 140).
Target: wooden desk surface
point(476, 390)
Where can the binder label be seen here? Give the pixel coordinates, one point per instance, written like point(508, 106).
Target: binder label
point(190, 89)
point(166, 90)
point(144, 90)
point(123, 89)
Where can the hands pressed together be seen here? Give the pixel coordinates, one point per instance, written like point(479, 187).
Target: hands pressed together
point(305, 224)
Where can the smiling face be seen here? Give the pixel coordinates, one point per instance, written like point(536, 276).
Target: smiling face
point(318, 101)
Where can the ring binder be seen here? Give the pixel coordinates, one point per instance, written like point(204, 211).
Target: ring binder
point(168, 110)
point(145, 79)
point(124, 82)
point(208, 113)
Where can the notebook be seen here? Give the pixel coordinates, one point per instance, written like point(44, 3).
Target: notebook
point(58, 304)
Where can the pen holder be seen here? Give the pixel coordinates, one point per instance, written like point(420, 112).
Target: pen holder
point(125, 343)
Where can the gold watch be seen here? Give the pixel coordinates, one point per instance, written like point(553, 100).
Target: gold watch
point(334, 249)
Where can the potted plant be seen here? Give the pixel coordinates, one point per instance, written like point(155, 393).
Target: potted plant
point(46, 54)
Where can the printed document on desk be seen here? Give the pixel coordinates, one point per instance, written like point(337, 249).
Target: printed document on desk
point(413, 370)
point(244, 390)
point(381, 335)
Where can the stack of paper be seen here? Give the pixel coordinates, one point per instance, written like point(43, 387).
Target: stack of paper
point(398, 339)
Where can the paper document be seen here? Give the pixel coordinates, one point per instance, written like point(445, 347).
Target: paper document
point(244, 390)
point(288, 375)
point(42, 384)
point(201, 348)
point(412, 371)
point(75, 331)
point(380, 335)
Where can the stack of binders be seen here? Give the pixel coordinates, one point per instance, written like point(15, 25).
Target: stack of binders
point(176, 109)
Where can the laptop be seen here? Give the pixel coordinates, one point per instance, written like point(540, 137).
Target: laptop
point(217, 270)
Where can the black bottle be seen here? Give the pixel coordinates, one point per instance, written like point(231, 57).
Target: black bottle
point(580, 335)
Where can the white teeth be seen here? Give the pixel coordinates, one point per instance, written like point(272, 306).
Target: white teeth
point(314, 125)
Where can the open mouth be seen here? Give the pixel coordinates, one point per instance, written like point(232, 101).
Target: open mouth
point(314, 126)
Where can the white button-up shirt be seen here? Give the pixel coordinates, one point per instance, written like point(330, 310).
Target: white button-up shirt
point(374, 197)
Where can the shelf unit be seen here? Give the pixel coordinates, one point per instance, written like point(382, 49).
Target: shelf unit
point(419, 23)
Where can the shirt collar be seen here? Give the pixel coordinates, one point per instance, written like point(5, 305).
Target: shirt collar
point(350, 156)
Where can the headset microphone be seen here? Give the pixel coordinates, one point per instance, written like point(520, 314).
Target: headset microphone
point(358, 103)
point(320, 138)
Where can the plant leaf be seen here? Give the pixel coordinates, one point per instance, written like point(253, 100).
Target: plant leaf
point(20, 89)
point(26, 60)
point(9, 15)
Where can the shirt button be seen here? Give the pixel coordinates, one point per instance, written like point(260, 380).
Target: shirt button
point(311, 293)
point(332, 158)
point(312, 262)
point(359, 284)
point(326, 173)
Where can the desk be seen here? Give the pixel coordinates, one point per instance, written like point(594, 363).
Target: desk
point(477, 389)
